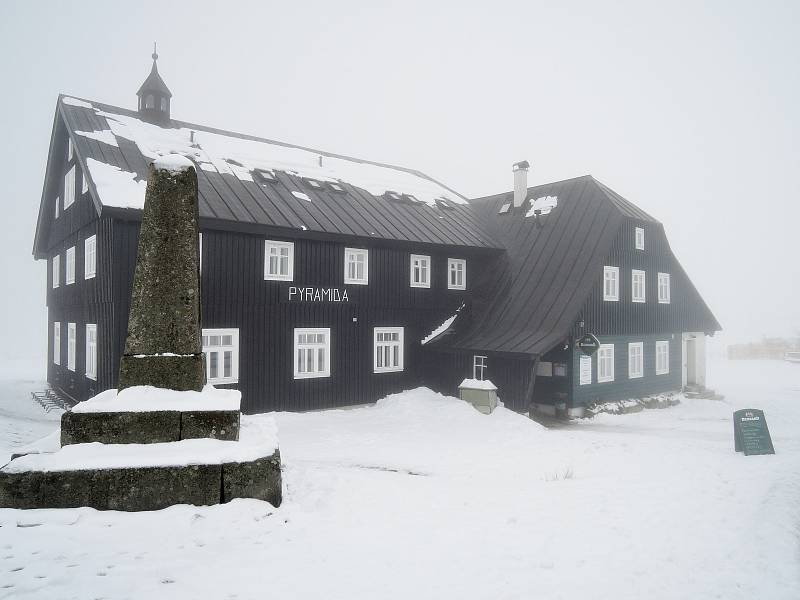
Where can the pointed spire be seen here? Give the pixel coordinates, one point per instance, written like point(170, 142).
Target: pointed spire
point(154, 95)
point(155, 53)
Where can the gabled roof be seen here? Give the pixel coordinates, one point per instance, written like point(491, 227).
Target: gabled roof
point(552, 263)
point(254, 181)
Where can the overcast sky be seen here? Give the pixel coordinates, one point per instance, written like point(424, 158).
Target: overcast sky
point(689, 110)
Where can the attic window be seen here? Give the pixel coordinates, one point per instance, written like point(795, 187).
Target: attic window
point(409, 198)
point(265, 175)
point(394, 196)
point(443, 204)
point(313, 183)
point(336, 187)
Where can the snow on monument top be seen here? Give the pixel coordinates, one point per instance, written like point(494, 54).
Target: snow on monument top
point(174, 163)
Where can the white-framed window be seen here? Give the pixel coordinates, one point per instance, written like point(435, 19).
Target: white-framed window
point(456, 274)
point(356, 266)
point(69, 187)
point(388, 349)
point(662, 357)
point(70, 277)
point(278, 260)
point(637, 286)
point(69, 149)
point(58, 206)
point(663, 288)
point(420, 271)
point(90, 257)
point(56, 270)
point(221, 347)
point(639, 238)
point(312, 352)
point(57, 343)
point(71, 346)
point(611, 284)
point(479, 367)
point(91, 351)
point(84, 183)
point(585, 370)
point(605, 363)
point(635, 360)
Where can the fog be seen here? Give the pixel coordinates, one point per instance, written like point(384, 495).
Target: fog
point(688, 110)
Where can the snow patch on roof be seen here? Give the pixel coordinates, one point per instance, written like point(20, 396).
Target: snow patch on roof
point(441, 328)
point(543, 205)
point(174, 163)
point(228, 154)
point(116, 187)
point(103, 135)
point(75, 102)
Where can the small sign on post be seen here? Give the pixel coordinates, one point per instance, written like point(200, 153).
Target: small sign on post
point(750, 432)
point(588, 344)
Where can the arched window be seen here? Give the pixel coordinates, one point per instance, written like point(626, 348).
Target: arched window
point(149, 101)
point(163, 105)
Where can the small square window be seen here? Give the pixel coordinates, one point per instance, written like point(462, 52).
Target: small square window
point(420, 271)
point(479, 367)
point(312, 353)
point(278, 260)
point(456, 274)
point(388, 355)
point(639, 238)
point(356, 266)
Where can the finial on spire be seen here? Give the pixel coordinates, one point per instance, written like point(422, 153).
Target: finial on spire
point(155, 54)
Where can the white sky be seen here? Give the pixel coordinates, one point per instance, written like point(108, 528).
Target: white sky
point(689, 110)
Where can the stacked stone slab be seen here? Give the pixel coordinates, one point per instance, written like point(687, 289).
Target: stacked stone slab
point(163, 350)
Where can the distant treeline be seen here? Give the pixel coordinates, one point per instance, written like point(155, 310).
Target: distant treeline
point(774, 348)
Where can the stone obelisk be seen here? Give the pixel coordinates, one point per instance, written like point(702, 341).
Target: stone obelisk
point(163, 347)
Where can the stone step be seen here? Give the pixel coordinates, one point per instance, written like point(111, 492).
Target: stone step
point(149, 427)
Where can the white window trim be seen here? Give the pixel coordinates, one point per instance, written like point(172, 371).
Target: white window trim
point(90, 251)
point(420, 284)
point(605, 348)
point(279, 277)
point(607, 296)
point(452, 262)
point(71, 344)
point(69, 188)
point(233, 348)
point(56, 266)
point(56, 343)
point(634, 373)
point(319, 374)
point(359, 252)
point(84, 183)
point(91, 366)
point(664, 277)
point(58, 206)
point(634, 274)
point(585, 363)
point(69, 149)
point(400, 343)
point(479, 362)
point(639, 238)
point(70, 274)
point(662, 344)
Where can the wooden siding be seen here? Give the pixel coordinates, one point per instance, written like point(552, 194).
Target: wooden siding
point(623, 388)
point(234, 294)
point(685, 312)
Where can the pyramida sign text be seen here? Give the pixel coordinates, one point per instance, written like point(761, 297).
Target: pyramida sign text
point(315, 294)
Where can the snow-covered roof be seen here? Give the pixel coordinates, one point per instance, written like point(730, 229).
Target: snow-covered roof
point(254, 180)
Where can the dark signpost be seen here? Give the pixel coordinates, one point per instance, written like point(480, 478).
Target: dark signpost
point(750, 433)
point(589, 344)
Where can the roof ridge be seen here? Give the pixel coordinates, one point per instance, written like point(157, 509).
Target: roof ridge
point(616, 199)
point(533, 187)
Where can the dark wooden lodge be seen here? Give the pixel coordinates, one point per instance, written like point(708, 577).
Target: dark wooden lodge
point(330, 281)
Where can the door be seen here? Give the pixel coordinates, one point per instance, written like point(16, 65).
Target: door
point(691, 362)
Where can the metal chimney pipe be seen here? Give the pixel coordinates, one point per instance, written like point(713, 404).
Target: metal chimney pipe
point(520, 182)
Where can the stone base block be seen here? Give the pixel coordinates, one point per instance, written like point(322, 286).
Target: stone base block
point(148, 427)
point(171, 372)
point(144, 488)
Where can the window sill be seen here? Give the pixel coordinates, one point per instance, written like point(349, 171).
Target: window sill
point(228, 381)
point(605, 380)
point(278, 278)
point(88, 277)
point(610, 299)
point(390, 370)
point(356, 282)
point(461, 288)
point(420, 285)
point(639, 301)
point(311, 375)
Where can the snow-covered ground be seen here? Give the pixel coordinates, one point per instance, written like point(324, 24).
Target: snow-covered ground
point(423, 497)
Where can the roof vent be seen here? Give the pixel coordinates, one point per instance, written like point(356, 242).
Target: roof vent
point(398, 198)
point(520, 182)
point(313, 183)
point(504, 209)
point(265, 175)
point(336, 187)
point(444, 204)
